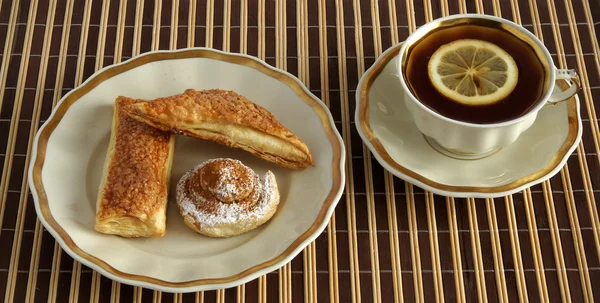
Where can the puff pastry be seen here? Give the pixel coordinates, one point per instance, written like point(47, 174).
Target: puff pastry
point(224, 198)
point(226, 118)
point(133, 192)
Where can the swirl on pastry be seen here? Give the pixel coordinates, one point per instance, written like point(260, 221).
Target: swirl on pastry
point(227, 180)
point(224, 197)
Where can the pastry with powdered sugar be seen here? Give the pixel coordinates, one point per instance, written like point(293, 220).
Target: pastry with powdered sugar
point(224, 198)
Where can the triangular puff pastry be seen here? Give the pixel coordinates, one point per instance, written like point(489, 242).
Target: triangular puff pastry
point(226, 118)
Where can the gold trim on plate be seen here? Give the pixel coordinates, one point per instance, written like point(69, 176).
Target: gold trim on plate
point(113, 71)
point(374, 72)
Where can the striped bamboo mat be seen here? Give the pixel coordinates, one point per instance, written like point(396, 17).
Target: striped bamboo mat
point(388, 240)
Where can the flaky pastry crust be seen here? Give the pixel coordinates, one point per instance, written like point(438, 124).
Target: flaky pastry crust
point(133, 192)
point(226, 118)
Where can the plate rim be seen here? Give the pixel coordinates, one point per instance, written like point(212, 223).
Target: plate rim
point(363, 127)
point(42, 136)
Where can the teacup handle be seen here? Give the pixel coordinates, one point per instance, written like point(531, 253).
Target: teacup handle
point(571, 76)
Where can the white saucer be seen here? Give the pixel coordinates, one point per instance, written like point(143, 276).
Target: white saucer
point(387, 129)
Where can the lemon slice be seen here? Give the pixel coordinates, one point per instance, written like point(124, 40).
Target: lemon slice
point(473, 72)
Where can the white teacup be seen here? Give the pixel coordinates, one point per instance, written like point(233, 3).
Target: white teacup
point(468, 140)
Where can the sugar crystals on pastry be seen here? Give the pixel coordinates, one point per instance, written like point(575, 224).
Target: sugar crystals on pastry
point(224, 198)
point(229, 119)
point(133, 191)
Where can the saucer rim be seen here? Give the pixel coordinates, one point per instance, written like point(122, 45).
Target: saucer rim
point(378, 150)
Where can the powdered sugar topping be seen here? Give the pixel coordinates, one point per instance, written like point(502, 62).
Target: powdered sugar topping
point(227, 179)
point(206, 207)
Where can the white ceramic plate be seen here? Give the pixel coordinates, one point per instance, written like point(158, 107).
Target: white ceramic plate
point(387, 128)
point(69, 152)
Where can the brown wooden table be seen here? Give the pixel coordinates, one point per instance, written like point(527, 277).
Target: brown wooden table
point(387, 240)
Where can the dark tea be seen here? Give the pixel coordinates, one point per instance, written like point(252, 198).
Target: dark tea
point(527, 92)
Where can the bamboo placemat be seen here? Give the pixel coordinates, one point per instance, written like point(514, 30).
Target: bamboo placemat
point(388, 240)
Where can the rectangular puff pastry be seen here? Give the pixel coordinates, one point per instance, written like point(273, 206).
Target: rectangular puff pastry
point(132, 200)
